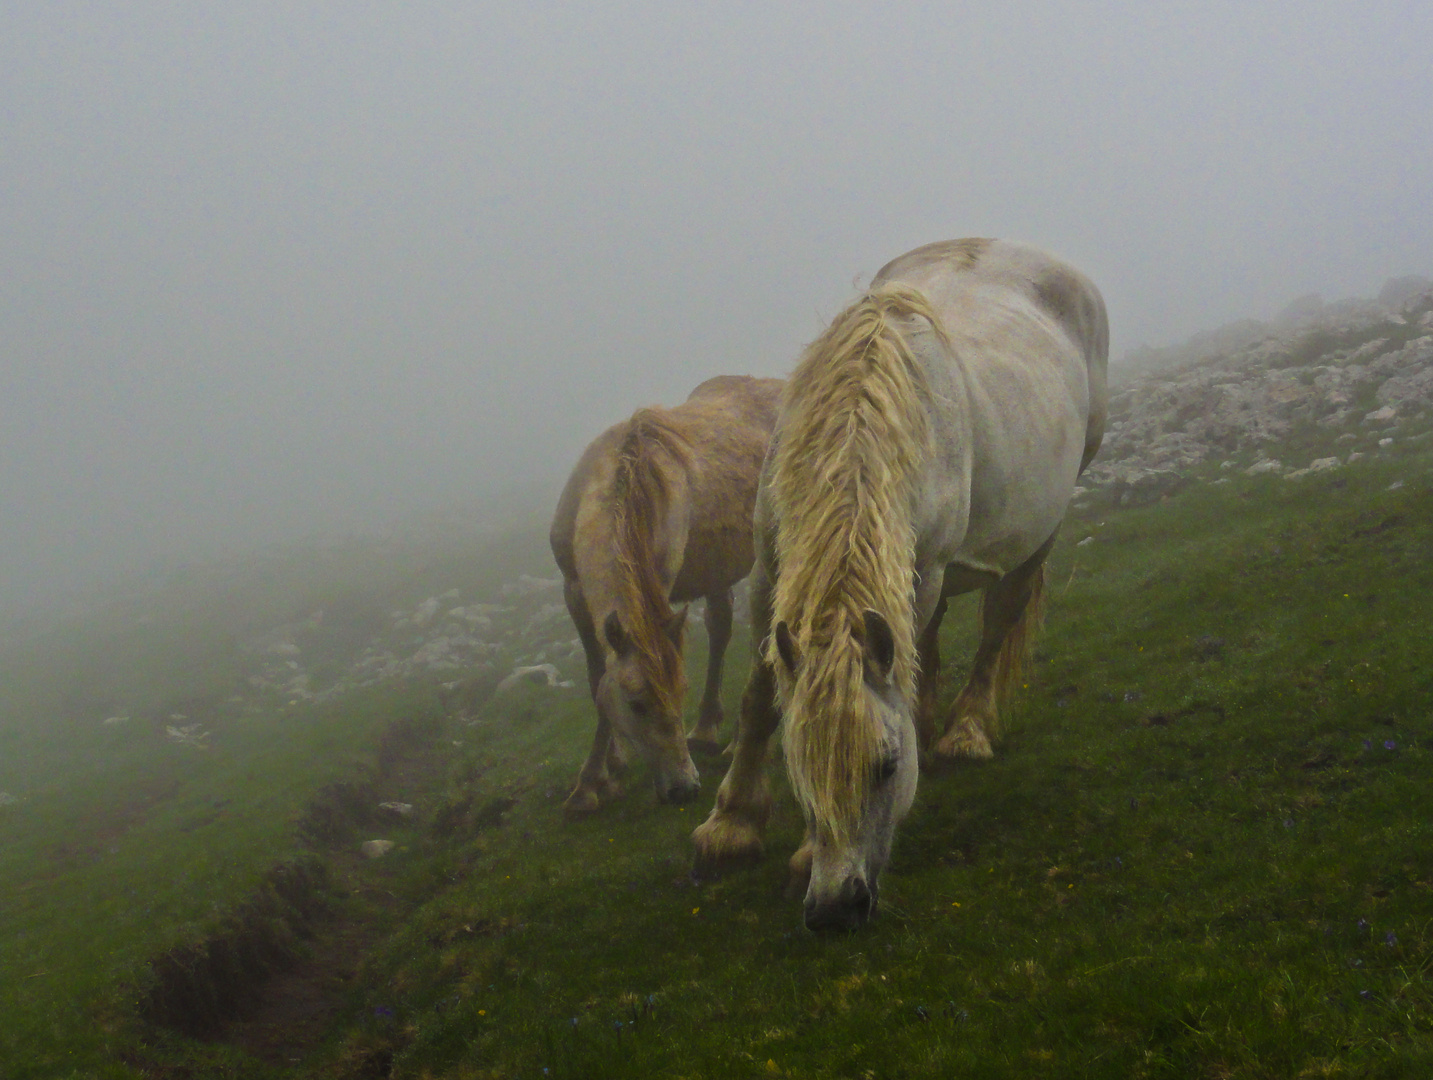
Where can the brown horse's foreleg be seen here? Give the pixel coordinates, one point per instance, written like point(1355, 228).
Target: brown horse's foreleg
point(928, 654)
point(1009, 614)
point(595, 784)
point(731, 833)
point(595, 781)
point(717, 618)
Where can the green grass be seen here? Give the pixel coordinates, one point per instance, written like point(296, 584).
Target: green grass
point(1194, 856)
point(1202, 851)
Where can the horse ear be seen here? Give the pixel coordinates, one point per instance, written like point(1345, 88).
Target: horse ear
point(786, 647)
point(880, 648)
point(616, 636)
point(676, 623)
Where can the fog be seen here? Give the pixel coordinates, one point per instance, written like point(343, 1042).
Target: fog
point(272, 271)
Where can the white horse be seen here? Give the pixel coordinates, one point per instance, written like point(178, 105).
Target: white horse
point(928, 445)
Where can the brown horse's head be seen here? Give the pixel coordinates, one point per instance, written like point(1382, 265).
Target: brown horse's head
point(641, 694)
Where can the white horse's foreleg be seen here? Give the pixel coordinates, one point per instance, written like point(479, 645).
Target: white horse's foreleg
point(717, 619)
point(731, 833)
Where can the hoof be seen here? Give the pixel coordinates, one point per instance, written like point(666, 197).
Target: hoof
point(962, 745)
point(580, 804)
point(723, 846)
point(608, 790)
point(700, 747)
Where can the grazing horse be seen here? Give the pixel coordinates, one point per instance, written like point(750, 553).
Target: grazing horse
point(658, 511)
point(928, 445)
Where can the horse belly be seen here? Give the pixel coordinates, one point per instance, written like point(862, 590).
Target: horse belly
point(712, 562)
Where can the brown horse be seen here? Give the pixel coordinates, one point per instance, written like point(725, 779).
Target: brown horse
point(928, 445)
point(657, 512)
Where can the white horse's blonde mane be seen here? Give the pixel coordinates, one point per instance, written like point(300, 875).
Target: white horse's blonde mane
point(855, 437)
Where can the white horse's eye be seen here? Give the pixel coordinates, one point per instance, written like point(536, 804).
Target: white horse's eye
point(886, 769)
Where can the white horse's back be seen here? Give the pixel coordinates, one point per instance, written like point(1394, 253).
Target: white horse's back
point(1018, 395)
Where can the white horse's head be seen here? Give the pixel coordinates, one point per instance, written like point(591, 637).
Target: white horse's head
point(847, 856)
point(641, 694)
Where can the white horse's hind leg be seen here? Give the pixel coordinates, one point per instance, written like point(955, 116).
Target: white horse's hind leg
point(1009, 615)
point(928, 651)
point(971, 719)
point(717, 618)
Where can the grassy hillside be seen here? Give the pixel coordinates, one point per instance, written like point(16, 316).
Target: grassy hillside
point(119, 841)
point(1202, 851)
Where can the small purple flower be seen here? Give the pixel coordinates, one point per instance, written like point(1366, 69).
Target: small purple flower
point(383, 1012)
point(1363, 924)
point(1367, 995)
point(1390, 939)
point(1368, 744)
point(1390, 744)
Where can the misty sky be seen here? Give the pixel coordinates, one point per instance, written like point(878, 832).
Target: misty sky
point(276, 270)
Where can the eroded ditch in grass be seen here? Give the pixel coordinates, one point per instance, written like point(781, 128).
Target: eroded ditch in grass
point(273, 974)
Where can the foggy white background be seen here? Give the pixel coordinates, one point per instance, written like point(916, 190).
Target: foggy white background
point(272, 270)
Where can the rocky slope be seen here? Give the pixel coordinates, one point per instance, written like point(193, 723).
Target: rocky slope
point(1310, 398)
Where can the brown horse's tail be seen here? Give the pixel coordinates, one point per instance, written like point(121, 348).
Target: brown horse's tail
point(1019, 643)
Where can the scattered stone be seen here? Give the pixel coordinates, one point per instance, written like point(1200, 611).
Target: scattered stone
point(402, 809)
point(1395, 485)
point(1317, 466)
point(534, 673)
point(376, 849)
point(189, 735)
point(1268, 465)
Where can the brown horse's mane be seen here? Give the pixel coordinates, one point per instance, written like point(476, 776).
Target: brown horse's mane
point(854, 438)
point(640, 500)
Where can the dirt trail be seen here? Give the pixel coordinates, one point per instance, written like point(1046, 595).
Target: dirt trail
point(298, 1007)
point(288, 997)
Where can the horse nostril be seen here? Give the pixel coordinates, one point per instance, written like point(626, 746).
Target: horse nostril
point(849, 911)
point(679, 792)
point(684, 792)
point(861, 896)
